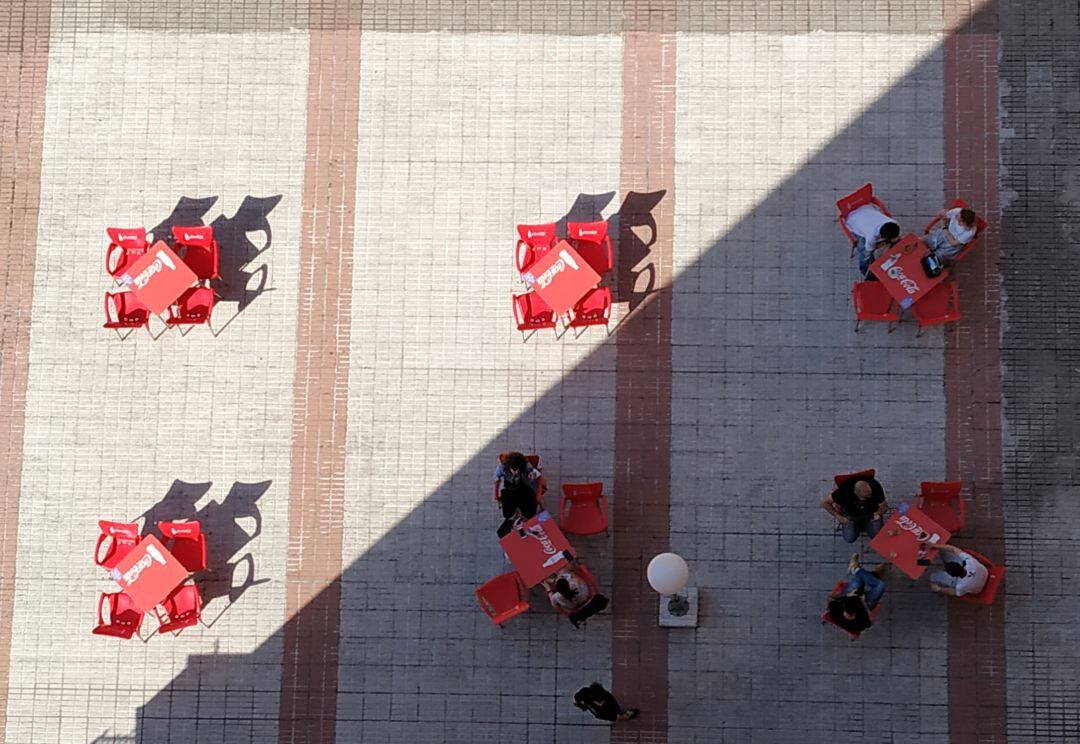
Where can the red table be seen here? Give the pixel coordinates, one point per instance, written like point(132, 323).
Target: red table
point(900, 270)
point(899, 539)
point(535, 547)
point(148, 573)
point(561, 277)
point(159, 277)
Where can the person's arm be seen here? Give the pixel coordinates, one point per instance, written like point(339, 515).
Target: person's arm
point(832, 508)
point(950, 549)
point(882, 509)
point(946, 590)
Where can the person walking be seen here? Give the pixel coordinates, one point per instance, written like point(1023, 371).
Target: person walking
point(602, 704)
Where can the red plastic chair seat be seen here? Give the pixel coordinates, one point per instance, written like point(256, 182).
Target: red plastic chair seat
point(940, 305)
point(993, 581)
point(591, 241)
point(503, 597)
point(592, 309)
point(532, 313)
point(534, 242)
point(121, 537)
point(192, 308)
point(124, 618)
point(584, 509)
point(873, 302)
point(200, 250)
point(126, 246)
point(942, 502)
point(180, 609)
point(125, 310)
point(186, 542)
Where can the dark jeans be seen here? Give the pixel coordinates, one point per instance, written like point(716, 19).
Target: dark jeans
point(858, 525)
point(518, 499)
point(867, 583)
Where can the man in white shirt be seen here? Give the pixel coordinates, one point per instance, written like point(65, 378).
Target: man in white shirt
point(947, 241)
point(873, 229)
point(963, 573)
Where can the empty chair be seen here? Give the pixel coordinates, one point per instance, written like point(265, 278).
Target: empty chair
point(584, 509)
point(592, 309)
point(827, 618)
point(590, 239)
point(120, 538)
point(838, 479)
point(940, 305)
point(192, 308)
point(503, 597)
point(198, 249)
point(535, 241)
point(126, 246)
point(993, 581)
point(873, 302)
point(187, 543)
point(942, 502)
point(859, 198)
point(532, 313)
point(118, 616)
point(980, 226)
point(125, 310)
point(180, 609)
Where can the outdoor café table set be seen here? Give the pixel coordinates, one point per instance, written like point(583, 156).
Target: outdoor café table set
point(902, 282)
point(563, 276)
point(152, 576)
point(158, 279)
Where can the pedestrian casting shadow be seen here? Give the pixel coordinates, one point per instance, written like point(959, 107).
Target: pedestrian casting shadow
point(230, 526)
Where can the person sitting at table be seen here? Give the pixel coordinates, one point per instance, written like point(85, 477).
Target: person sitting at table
point(566, 591)
point(870, 585)
point(515, 498)
point(946, 242)
point(873, 230)
point(963, 574)
point(849, 610)
point(515, 468)
point(859, 505)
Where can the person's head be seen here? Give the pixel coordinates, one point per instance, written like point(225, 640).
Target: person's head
point(967, 217)
point(956, 570)
point(848, 615)
point(515, 462)
point(862, 490)
point(562, 586)
point(890, 231)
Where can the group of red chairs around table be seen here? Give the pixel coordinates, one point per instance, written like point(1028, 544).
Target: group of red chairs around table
point(941, 504)
point(129, 250)
point(873, 301)
point(590, 304)
point(184, 545)
point(582, 511)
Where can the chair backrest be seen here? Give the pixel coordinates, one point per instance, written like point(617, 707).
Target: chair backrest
point(502, 597)
point(593, 309)
point(940, 305)
point(873, 302)
point(124, 310)
point(530, 311)
point(127, 237)
point(533, 460)
point(940, 488)
point(591, 232)
point(869, 473)
point(121, 536)
point(857, 198)
point(182, 609)
point(194, 306)
point(198, 235)
point(583, 492)
point(537, 235)
point(118, 616)
point(995, 575)
point(180, 530)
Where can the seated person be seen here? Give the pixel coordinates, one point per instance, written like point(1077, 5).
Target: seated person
point(866, 584)
point(963, 574)
point(514, 468)
point(515, 498)
point(947, 241)
point(859, 505)
point(566, 591)
point(873, 230)
point(849, 613)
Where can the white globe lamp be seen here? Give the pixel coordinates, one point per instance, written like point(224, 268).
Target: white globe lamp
point(668, 574)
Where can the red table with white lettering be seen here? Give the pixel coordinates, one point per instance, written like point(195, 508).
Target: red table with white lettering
point(900, 271)
point(159, 277)
point(148, 573)
point(561, 277)
point(535, 547)
point(899, 539)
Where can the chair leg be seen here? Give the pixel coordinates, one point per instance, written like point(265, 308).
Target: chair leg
point(857, 321)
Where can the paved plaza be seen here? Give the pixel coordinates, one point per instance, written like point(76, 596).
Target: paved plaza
point(335, 428)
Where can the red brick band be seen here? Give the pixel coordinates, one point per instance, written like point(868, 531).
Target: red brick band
point(309, 673)
point(643, 376)
point(24, 61)
point(977, 712)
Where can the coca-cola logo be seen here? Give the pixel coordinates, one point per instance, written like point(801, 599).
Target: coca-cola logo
point(895, 272)
point(907, 523)
point(144, 276)
point(545, 542)
point(556, 268)
point(132, 574)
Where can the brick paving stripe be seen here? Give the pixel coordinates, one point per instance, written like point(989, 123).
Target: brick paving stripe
point(24, 61)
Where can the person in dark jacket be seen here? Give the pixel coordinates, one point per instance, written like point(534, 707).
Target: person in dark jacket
point(859, 505)
point(602, 704)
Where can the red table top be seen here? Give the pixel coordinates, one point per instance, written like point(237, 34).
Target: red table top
point(899, 542)
point(561, 277)
point(900, 270)
point(534, 543)
point(159, 277)
point(148, 573)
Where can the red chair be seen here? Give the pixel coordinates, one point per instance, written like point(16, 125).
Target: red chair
point(940, 305)
point(993, 581)
point(942, 502)
point(873, 302)
point(587, 578)
point(838, 479)
point(188, 543)
point(200, 249)
point(532, 313)
point(535, 241)
point(126, 246)
point(122, 619)
point(980, 226)
point(584, 509)
point(193, 308)
point(180, 609)
point(593, 309)
point(826, 618)
point(125, 310)
point(503, 597)
point(591, 240)
point(859, 198)
point(124, 537)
